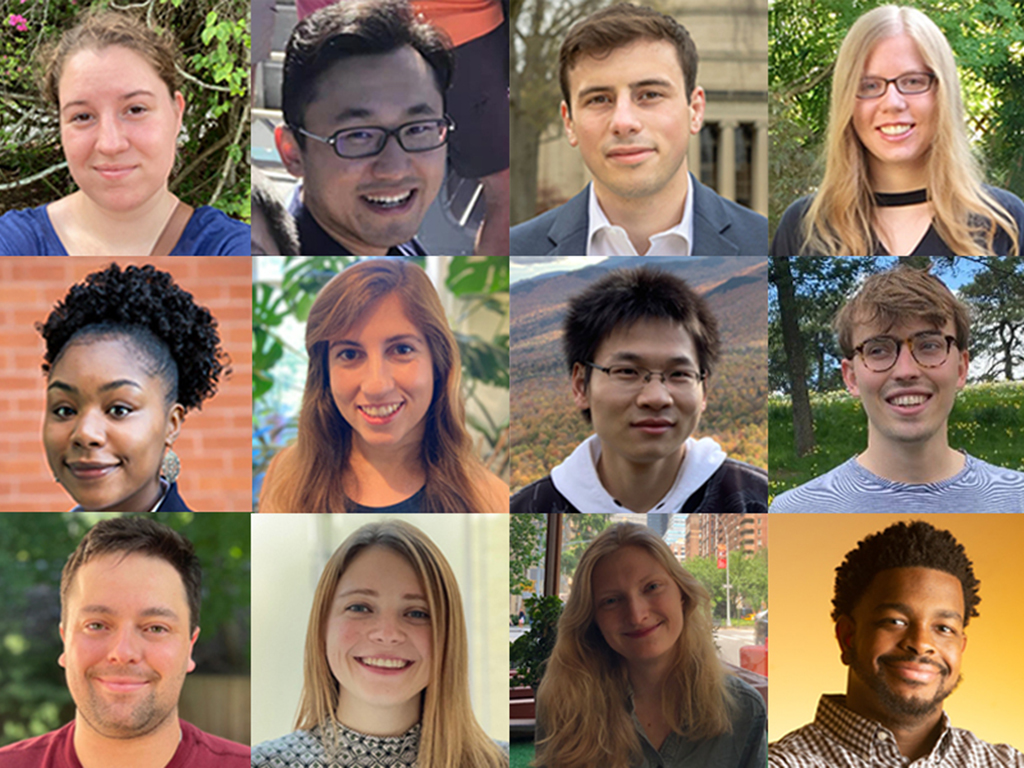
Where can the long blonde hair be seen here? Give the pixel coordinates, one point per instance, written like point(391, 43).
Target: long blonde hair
point(583, 700)
point(450, 735)
point(310, 477)
point(967, 217)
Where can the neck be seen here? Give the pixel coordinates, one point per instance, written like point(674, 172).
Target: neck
point(152, 750)
point(122, 233)
point(645, 216)
point(636, 486)
point(889, 177)
point(926, 462)
point(915, 737)
point(386, 475)
point(648, 680)
point(373, 720)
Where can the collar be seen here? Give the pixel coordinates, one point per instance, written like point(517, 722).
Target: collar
point(868, 739)
point(577, 480)
point(164, 488)
point(315, 240)
point(607, 239)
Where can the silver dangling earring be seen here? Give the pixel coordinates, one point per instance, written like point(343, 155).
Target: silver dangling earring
point(170, 467)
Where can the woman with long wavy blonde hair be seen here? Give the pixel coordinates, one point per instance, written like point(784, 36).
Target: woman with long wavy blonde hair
point(385, 671)
point(900, 177)
point(382, 424)
point(634, 679)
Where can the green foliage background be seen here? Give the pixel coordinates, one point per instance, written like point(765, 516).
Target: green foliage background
point(214, 41)
point(34, 698)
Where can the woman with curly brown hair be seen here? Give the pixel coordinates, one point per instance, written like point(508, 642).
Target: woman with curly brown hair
point(128, 353)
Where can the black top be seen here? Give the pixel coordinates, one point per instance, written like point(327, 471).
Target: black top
point(734, 487)
point(413, 504)
point(314, 240)
point(172, 501)
point(789, 237)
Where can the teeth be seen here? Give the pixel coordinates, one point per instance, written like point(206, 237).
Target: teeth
point(908, 400)
point(380, 411)
point(386, 663)
point(894, 130)
point(388, 201)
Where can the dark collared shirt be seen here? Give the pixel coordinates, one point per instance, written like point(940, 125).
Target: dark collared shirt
point(840, 738)
point(315, 241)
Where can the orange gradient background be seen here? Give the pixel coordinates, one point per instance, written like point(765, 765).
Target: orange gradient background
point(803, 657)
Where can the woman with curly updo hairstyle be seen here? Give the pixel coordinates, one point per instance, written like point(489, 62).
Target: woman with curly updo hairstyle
point(128, 353)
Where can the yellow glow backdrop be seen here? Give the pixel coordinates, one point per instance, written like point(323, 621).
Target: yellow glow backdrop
point(803, 656)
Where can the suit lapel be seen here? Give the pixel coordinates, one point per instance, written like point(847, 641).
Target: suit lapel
point(710, 224)
point(568, 233)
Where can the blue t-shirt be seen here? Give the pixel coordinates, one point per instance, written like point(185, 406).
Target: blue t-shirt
point(208, 233)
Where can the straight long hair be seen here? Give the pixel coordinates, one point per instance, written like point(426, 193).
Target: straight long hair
point(583, 700)
point(839, 220)
point(310, 477)
point(450, 736)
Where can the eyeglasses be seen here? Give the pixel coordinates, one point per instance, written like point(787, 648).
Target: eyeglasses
point(635, 377)
point(909, 84)
point(929, 349)
point(370, 140)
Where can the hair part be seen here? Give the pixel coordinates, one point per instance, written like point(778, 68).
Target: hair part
point(625, 297)
point(916, 544)
point(583, 700)
point(355, 28)
point(131, 535)
point(839, 220)
point(620, 25)
point(898, 296)
point(101, 29)
point(450, 736)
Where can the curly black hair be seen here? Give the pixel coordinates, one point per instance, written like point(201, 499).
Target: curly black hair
point(178, 338)
point(903, 545)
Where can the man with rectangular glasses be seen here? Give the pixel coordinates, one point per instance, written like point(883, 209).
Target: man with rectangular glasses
point(641, 346)
point(365, 128)
point(904, 337)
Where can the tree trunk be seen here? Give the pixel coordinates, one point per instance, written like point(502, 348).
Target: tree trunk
point(803, 425)
point(525, 148)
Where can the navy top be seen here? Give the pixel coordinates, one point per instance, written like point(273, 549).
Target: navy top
point(209, 232)
point(413, 504)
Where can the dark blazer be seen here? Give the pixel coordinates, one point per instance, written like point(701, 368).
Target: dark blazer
point(720, 228)
point(172, 501)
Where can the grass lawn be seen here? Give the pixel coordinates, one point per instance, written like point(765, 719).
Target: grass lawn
point(521, 754)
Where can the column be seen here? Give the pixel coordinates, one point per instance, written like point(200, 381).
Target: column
point(759, 172)
point(727, 159)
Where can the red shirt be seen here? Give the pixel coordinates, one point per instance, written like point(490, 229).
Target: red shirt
point(56, 749)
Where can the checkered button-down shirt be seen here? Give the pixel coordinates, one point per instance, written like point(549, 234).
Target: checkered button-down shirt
point(839, 738)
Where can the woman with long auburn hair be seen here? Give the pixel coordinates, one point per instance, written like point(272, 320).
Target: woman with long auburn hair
point(382, 425)
point(900, 177)
point(385, 672)
point(634, 679)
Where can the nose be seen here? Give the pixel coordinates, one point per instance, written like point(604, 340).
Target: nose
point(654, 394)
point(906, 366)
point(393, 162)
point(637, 610)
point(917, 640)
point(111, 138)
point(625, 119)
point(387, 629)
point(378, 379)
point(124, 648)
point(89, 431)
point(893, 98)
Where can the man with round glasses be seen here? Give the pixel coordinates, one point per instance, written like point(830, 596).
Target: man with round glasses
point(363, 97)
point(904, 338)
point(641, 346)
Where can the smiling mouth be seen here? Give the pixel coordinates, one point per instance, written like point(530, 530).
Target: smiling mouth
point(380, 414)
point(90, 470)
point(640, 633)
point(908, 401)
point(896, 130)
point(383, 663)
point(390, 202)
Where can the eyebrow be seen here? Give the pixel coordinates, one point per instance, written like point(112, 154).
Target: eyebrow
point(945, 613)
point(104, 610)
point(375, 593)
point(389, 340)
point(125, 97)
point(363, 113)
point(646, 83)
point(633, 357)
point(116, 384)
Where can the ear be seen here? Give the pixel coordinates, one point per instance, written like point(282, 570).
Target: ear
point(579, 386)
point(60, 659)
point(703, 395)
point(289, 151)
point(191, 646)
point(962, 361)
point(570, 132)
point(850, 377)
point(697, 103)
point(845, 629)
point(179, 103)
point(175, 418)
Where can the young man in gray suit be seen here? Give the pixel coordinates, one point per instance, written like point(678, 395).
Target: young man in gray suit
point(630, 104)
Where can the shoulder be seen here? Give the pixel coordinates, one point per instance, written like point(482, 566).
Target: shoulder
point(749, 703)
point(806, 747)
point(22, 233)
point(706, 199)
point(37, 752)
point(718, 219)
point(1001, 489)
point(531, 237)
point(970, 750)
point(222, 751)
point(173, 502)
point(289, 751)
point(822, 493)
point(540, 497)
point(789, 235)
point(1013, 204)
point(211, 232)
point(734, 487)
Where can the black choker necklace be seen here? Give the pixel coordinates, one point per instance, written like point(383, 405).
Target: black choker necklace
point(896, 199)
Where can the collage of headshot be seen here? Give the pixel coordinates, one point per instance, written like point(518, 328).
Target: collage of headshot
point(570, 302)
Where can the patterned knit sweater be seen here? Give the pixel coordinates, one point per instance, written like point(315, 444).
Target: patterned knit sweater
point(307, 749)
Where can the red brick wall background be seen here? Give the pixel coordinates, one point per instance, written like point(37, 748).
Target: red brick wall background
point(215, 442)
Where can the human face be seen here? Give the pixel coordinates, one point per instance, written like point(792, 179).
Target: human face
point(652, 423)
point(127, 645)
point(379, 638)
point(631, 120)
point(903, 644)
point(118, 127)
point(382, 377)
point(907, 404)
point(637, 606)
point(106, 426)
point(369, 204)
point(897, 129)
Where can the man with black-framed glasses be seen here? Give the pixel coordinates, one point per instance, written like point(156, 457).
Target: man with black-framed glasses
point(641, 347)
point(363, 97)
point(904, 338)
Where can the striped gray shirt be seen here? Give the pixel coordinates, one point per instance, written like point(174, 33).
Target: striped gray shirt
point(839, 738)
point(978, 487)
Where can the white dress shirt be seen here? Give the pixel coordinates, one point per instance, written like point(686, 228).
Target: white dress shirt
point(607, 239)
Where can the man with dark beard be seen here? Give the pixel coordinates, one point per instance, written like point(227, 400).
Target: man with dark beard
point(130, 596)
point(902, 600)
